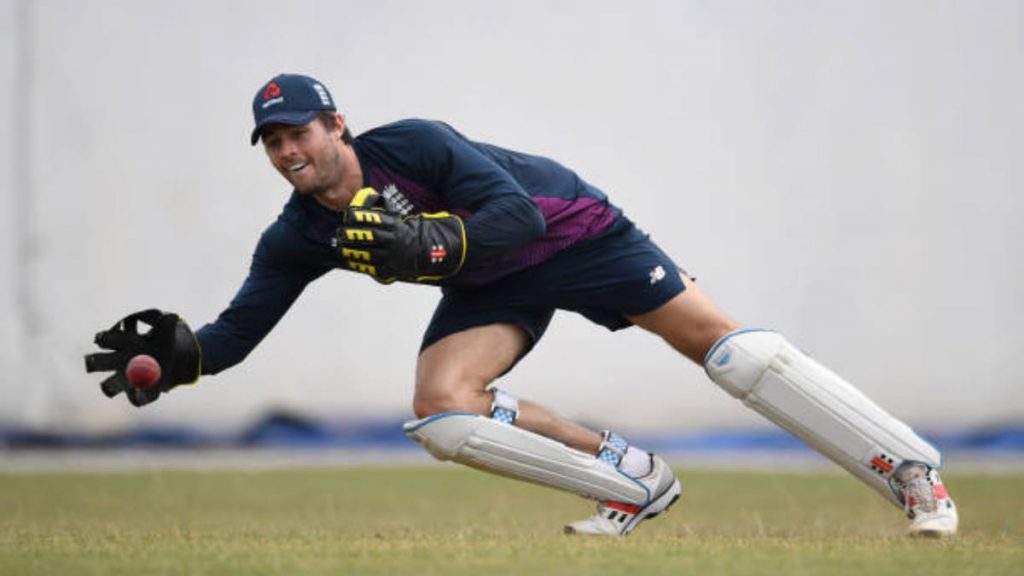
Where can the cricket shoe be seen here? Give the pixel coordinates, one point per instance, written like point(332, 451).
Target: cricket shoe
point(620, 518)
point(931, 511)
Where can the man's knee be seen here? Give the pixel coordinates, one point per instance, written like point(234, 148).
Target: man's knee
point(453, 373)
point(431, 400)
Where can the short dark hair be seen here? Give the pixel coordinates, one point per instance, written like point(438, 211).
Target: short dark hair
point(328, 119)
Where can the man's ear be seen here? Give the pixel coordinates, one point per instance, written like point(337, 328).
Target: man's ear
point(339, 122)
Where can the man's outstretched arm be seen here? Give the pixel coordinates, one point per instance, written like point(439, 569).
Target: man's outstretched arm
point(274, 283)
point(279, 273)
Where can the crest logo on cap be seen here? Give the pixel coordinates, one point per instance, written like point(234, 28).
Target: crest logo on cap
point(271, 91)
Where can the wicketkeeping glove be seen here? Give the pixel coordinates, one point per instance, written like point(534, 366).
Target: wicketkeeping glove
point(169, 340)
point(422, 248)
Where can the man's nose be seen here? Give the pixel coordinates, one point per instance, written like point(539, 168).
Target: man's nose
point(288, 148)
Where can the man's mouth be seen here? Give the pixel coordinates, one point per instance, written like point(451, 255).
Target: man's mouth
point(297, 167)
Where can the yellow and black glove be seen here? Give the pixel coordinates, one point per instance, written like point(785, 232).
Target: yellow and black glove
point(168, 339)
point(424, 248)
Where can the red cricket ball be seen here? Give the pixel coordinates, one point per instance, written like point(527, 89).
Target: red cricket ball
point(142, 371)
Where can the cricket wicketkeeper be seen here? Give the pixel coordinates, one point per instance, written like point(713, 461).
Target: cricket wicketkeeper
point(510, 238)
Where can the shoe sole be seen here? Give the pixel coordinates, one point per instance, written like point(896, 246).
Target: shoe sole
point(931, 534)
point(932, 530)
point(655, 507)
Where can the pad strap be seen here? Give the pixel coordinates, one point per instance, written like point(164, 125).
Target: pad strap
point(613, 448)
point(505, 407)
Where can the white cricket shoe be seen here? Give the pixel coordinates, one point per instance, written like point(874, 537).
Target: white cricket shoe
point(931, 511)
point(619, 518)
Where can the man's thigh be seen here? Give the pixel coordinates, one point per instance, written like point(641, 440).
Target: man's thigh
point(611, 278)
point(504, 302)
point(690, 322)
point(453, 372)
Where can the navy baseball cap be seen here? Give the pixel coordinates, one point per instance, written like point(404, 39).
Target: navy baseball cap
point(290, 99)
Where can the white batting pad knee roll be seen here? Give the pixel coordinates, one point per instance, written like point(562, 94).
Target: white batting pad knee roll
point(442, 442)
point(776, 379)
point(738, 360)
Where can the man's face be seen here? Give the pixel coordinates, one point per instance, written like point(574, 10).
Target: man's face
point(309, 156)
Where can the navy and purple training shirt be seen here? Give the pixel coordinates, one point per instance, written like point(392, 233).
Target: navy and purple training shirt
point(519, 211)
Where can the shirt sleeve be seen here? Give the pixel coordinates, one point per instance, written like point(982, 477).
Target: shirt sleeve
point(502, 217)
point(276, 279)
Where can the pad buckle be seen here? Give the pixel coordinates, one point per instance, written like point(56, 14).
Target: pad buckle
point(504, 407)
point(613, 448)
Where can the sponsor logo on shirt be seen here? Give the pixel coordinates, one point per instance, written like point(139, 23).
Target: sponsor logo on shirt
point(396, 201)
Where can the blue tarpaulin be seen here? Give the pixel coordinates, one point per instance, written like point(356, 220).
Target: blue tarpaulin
point(284, 430)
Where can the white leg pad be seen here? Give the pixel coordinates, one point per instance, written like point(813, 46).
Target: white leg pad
point(504, 449)
point(783, 384)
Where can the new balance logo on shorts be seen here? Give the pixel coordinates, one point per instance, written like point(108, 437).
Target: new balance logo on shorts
point(657, 275)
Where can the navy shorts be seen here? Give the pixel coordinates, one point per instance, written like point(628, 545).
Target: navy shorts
point(605, 278)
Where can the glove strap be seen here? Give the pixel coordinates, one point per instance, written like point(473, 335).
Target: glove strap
point(366, 198)
point(444, 235)
point(188, 356)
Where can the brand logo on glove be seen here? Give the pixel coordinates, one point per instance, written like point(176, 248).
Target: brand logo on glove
point(371, 217)
point(358, 235)
point(352, 254)
point(437, 254)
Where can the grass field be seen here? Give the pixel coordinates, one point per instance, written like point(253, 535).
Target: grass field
point(448, 520)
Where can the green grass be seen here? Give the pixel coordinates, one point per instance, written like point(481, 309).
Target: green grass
point(448, 520)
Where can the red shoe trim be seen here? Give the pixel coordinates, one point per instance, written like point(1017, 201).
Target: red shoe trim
point(622, 507)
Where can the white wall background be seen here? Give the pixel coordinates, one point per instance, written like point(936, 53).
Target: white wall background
point(849, 173)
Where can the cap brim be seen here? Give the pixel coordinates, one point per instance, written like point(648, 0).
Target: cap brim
point(287, 118)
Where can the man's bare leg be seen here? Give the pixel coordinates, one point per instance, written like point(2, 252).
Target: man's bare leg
point(452, 379)
point(453, 374)
point(691, 323)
